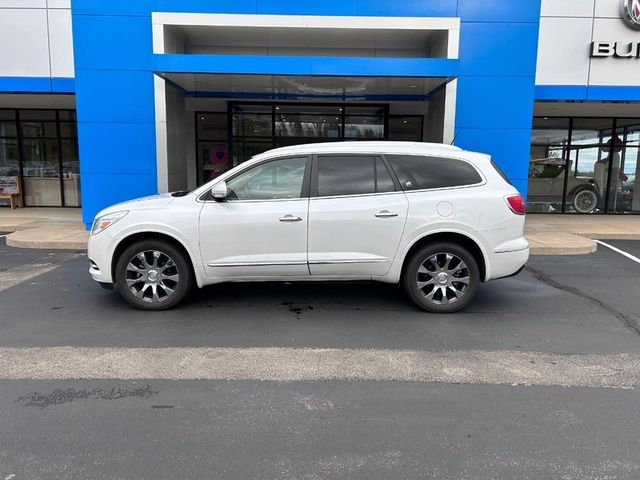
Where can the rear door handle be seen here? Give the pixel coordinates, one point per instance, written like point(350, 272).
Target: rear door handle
point(290, 218)
point(385, 214)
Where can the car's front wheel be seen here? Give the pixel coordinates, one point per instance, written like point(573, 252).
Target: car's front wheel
point(441, 277)
point(153, 275)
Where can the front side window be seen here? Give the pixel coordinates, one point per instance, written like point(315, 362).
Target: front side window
point(277, 179)
point(416, 172)
point(352, 175)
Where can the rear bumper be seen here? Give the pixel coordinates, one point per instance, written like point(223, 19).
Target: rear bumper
point(509, 263)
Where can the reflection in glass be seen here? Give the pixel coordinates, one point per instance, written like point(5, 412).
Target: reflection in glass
point(406, 128)
point(624, 195)
point(212, 147)
point(41, 172)
point(70, 173)
point(547, 171)
point(9, 162)
point(214, 159)
point(252, 124)
point(364, 128)
point(280, 179)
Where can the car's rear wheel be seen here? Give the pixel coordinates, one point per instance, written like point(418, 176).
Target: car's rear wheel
point(153, 275)
point(441, 277)
point(585, 200)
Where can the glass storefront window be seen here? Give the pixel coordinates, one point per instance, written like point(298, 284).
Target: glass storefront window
point(40, 146)
point(212, 147)
point(308, 121)
point(624, 196)
point(406, 128)
point(256, 128)
point(548, 164)
point(583, 165)
point(9, 157)
point(41, 172)
point(364, 123)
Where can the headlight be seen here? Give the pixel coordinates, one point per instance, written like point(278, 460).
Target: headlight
point(105, 221)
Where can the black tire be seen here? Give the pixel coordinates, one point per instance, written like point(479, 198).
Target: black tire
point(431, 296)
point(173, 278)
point(585, 200)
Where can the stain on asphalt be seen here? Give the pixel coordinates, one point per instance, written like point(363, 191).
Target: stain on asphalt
point(627, 320)
point(60, 396)
point(297, 309)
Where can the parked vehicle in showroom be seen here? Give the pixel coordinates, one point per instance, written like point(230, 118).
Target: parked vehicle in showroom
point(546, 185)
point(436, 219)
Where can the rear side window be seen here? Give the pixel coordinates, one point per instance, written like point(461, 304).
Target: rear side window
point(416, 172)
point(352, 175)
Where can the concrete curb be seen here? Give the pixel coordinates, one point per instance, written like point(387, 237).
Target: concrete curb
point(49, 238)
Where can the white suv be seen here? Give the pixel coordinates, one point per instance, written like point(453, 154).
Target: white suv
point(434, 218)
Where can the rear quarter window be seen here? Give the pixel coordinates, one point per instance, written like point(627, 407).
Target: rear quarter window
point(416, 172)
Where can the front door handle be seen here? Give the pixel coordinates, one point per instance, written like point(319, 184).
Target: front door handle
point(385, 214)
point(290, 218)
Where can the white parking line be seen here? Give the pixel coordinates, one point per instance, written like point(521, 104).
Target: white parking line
point(617, 250)
point(16, 275)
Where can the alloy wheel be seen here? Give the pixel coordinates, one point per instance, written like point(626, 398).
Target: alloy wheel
point(443, 278)
point(152, 276)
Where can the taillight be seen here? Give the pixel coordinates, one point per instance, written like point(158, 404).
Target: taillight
point(516, 204)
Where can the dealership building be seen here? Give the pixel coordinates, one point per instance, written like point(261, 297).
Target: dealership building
point(104, 101)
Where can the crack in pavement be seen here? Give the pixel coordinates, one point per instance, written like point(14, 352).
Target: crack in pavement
point(60, 396)
point(627, 320)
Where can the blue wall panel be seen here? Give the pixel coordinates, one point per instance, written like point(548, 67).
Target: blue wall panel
point(494, 102)
point(508, 147)
point(118, 148)
point(307, 7)
point(499, 11)
point(408, 8)
point(130, 50)
point(115, 96)
point(207, 6)
point(112, 7)
point(505, 49)
point(115, 64)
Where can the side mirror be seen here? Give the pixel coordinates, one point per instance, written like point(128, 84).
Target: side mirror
point(219, 191)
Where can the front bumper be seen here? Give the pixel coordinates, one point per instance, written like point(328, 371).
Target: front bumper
point(99, 252)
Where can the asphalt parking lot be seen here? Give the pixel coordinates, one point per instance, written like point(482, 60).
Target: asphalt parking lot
point(256, 428)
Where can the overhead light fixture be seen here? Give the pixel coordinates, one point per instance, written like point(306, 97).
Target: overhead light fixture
point(413, 85)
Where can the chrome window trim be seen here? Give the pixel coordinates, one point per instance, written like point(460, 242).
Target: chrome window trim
point(399, 192)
